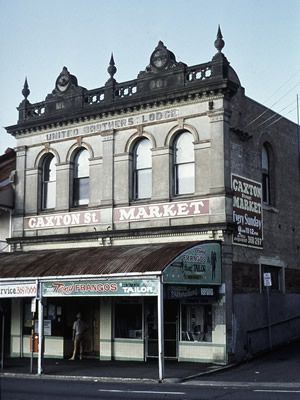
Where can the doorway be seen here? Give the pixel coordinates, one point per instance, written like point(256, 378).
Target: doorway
point(89, 308)
point(170, 329)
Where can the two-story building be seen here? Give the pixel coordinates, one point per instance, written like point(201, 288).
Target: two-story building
point(161, 210)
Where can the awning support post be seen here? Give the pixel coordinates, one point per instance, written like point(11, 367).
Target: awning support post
point(40, 330)
point(160, 316)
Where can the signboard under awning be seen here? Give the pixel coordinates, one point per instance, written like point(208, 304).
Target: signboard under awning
point(101, 288)
point(199, 265)
point(18, 290)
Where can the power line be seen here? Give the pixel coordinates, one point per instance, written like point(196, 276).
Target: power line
point(282, 86)
point(281, 117)
point(276, 102)
point(274, 115)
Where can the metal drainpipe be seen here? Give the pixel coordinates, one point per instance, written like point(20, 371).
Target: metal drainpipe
point(160, 317)
point(40, 330)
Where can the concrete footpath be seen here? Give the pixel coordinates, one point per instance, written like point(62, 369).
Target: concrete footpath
point(280, 365)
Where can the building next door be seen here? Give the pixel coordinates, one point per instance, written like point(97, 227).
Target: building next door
point(170, 328)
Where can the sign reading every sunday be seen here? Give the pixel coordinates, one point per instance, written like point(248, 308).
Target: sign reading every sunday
point(247, 212)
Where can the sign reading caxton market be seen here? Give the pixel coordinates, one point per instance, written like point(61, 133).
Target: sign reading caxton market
point(101, 288)
point(62, 220)
point(113, 124)
point(163, 210)
point(247, 212)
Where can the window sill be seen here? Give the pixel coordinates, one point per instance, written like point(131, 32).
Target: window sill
point(268, 207)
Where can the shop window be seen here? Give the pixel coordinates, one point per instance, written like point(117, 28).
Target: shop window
point(48, 182)
point(128, 320)
point(81, 178)
point(53, 321)
point(142, 170)
point(266, 175)
point(183, 164)
point(276, 277)
point(196, 322)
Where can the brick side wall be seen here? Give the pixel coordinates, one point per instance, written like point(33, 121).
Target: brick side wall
point(245, 278)
point(292, 281)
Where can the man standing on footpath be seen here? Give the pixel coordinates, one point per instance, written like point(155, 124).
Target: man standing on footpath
point(79, 327)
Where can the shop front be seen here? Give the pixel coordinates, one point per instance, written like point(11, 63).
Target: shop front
point(166, 301)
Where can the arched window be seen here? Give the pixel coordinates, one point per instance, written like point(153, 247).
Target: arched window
point(81, 178)
point(265, 161)
point(48, 182)
point(142, 170)
point(183, 164)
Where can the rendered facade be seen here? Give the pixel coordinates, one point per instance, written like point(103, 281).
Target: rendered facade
point(159, 209)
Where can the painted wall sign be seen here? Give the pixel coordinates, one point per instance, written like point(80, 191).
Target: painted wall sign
point(18, 290)
point(247, 212)
point(62, 220)
point(113, 124)
point(101, 288)
point(199, 265)
point(164, 210)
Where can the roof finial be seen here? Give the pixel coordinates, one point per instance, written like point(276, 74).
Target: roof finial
point(219, 42)
point(112, 69)
point(25, 91)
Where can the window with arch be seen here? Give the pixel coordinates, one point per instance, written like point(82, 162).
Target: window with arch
point(142, 170)
point(48, 182)
point(265, 161)
point(81, 178)
point(183, 164)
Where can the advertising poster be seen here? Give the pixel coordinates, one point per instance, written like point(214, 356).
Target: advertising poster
point(247, 212)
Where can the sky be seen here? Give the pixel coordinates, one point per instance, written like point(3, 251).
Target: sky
point(39, 37)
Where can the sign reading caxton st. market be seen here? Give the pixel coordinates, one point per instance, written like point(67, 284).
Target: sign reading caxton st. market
point(62, 220)
point(163, 210)
point(101, 288)
point(113, 124)
point(247, 212)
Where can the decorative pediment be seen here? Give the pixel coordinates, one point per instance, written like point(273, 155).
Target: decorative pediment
point(65, 82)
point(161, 60)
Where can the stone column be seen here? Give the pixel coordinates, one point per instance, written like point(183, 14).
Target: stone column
point(63, 186)
point(220, 151)
point(161, 180)
point(32, 192)
point(108, 168)
point(97, 180)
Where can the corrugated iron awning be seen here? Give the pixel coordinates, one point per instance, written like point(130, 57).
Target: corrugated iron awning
point(110, 260)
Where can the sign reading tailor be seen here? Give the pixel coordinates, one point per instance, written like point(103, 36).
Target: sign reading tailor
point(164, 210)
point(62, 220)
point(201, 264)
point(18, 290)
point(247, 212)
point(101, 288)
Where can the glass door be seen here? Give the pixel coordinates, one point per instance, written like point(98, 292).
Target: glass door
point(170, 329)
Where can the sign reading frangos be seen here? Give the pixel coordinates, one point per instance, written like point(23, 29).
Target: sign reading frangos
point(101, 288)
point(247, 212)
